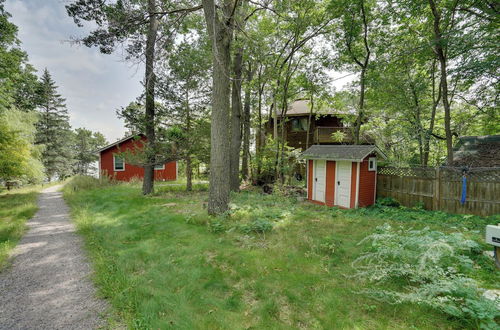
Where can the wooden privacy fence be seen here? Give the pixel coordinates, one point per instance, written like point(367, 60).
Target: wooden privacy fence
point(441, 188)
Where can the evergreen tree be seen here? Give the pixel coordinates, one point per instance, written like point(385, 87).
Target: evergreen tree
point(53, 130)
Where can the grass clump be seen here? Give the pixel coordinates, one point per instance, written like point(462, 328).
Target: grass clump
point(433, 269)
point(16, 207)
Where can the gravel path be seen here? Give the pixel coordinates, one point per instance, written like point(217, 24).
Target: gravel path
point(47, 286)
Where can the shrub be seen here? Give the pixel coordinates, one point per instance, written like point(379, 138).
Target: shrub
point(432, 267)
point(217, 226)
point(259, 226)
point(388, 201)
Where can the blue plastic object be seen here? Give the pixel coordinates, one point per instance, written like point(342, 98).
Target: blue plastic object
point(464, 190)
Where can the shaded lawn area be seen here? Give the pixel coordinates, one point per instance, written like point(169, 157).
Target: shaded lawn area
point(16, 207)
point(163, 263)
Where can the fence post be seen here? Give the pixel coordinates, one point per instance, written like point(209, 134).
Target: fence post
point(437, 190)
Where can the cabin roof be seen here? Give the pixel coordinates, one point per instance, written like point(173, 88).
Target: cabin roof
point(354, 153)
point(118, 142)
point(302, 108)
point(477, 151)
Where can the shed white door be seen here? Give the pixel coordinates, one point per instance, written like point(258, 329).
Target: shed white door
point(343, 184)
point(319, 178)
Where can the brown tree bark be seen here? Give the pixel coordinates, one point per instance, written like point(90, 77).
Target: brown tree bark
point(219, 29)
point(435, 103)
point(236, 112)
point(246, 126)
point(148, 182)
point(442, 58)
point(189, 168)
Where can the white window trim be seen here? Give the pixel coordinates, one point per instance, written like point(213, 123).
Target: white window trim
point(159, 168)
point(114, 165)
point(374, 168)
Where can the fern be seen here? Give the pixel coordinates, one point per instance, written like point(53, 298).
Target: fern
point(432, 267)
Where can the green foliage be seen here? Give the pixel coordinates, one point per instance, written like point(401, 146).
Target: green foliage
point(259, 226)
point(19, 158)
point(86, 143)
point(388, 201)
point(266, 159)
point(16, 208)
point(338, 136)
point(53, 131)
point(433, 269)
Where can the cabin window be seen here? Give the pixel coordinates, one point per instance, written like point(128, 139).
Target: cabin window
point(118, 163)
point(299, 125)
point(372, 164)
point(160, 167)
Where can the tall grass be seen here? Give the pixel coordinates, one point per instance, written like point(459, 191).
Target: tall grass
point(270, 262)
point(16, 207)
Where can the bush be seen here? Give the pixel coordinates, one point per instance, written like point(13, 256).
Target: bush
point(388, 201)
point(259, 226)
point(217, 226)
point(432, 267)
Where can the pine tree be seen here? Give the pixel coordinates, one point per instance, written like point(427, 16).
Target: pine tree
point(54, 130)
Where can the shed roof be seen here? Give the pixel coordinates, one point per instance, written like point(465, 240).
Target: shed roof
point(355, 153)
point(119, 141)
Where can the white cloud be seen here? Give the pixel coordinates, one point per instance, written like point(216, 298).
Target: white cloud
point(94, 84)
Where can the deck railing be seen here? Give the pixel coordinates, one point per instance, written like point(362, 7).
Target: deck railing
point(324, 134)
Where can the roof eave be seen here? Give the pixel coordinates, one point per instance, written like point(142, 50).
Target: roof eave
point(117, 143)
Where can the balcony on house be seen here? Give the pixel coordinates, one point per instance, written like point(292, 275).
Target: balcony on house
point(323, 134)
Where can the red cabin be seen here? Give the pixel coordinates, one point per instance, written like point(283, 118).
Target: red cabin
point(342, 175)
point(112, 165)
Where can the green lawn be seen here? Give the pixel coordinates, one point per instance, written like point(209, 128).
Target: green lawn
point(163, 263)
point(16, 207)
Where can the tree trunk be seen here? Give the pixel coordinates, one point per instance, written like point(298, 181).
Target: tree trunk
point(189, 169)
point(435, 102)
point(258, 140)
point(148, 182)
point(309, 119)
point(236, 121)
point(442, 58)
point(361, 110)
point(220, 32)
point(246, 126)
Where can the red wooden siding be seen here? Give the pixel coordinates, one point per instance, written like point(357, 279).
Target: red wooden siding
point(354, 175)
point(366, 184)
point(131, 171)
point(330, 183)
point(310, 179)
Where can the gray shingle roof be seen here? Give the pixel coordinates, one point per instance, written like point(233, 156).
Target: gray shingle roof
point(353, 153)
point(477, 151)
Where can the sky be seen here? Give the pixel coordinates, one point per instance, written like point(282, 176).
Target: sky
point(94, 85)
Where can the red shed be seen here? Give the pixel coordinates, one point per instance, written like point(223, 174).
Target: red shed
point(342, 175)
point(110, 164)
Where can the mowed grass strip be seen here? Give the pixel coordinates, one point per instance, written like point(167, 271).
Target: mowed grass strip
point(16, 207)
point(160, 264)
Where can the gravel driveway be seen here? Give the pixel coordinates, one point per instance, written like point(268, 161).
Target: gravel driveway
point(47, 286)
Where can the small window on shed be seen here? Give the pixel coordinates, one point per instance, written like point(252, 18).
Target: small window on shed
point(118, 163)
point(372, 164)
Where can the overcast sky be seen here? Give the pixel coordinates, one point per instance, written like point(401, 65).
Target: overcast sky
point(94, 84)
